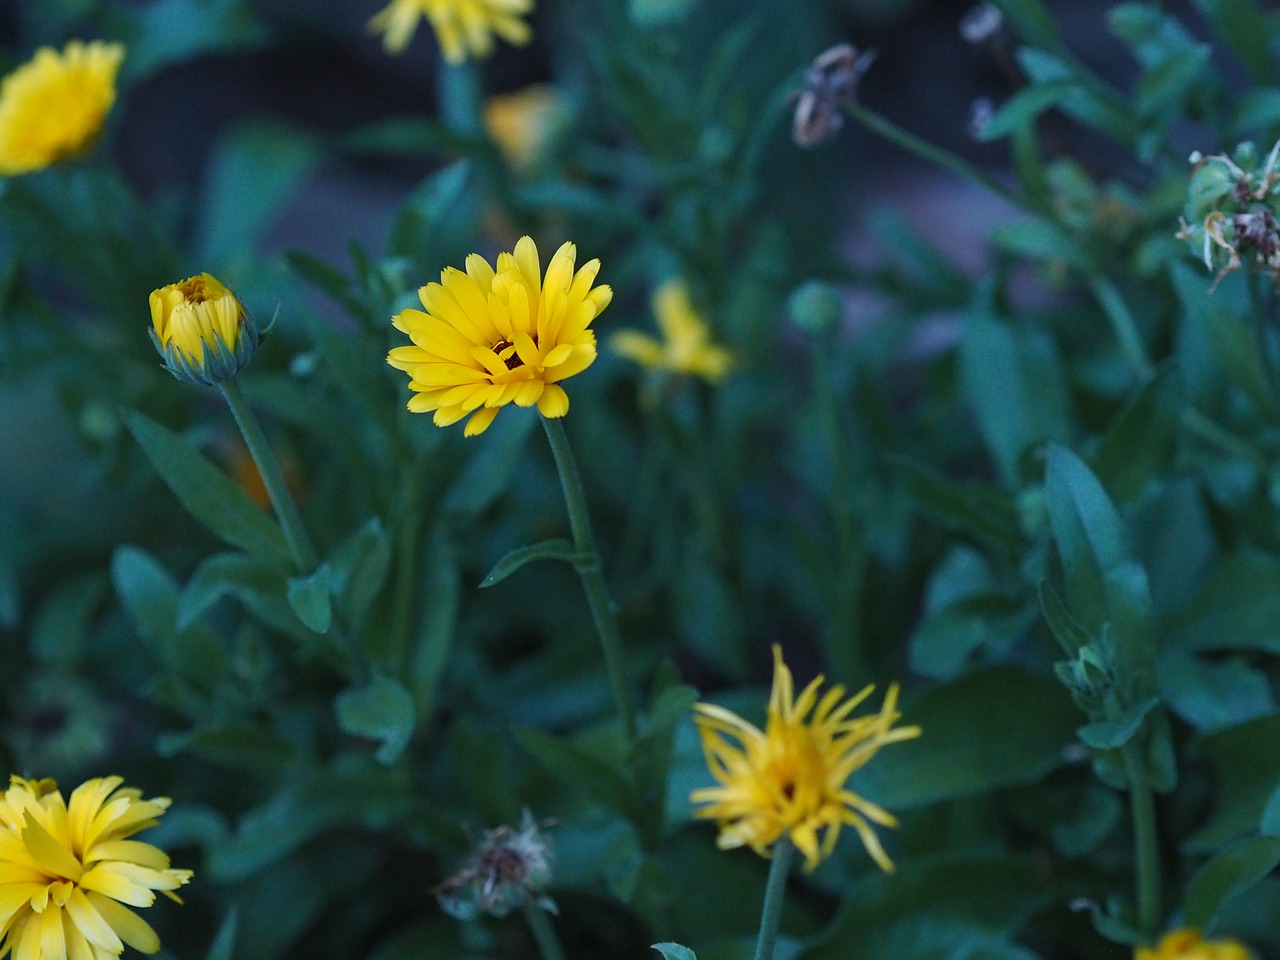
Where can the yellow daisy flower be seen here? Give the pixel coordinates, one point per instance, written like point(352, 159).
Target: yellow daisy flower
point(68, 869)
point(463, 27)
point(790, 779)
point(686, 345)
point(1187, 944)
point(201, 330)
point(53, 105)
point(490, 337)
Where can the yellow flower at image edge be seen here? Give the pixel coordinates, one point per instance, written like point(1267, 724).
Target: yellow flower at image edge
point(789, 779)
point(53, 105)
point(1187, 944)
point(686, 345)
point(201, 330)
point(463, 27)
point(68, 869)
point(495, 336)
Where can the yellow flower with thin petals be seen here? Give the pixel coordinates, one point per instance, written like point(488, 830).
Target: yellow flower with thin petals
point(53, 105)
point(463, 27)
point(67, 870)
point(789, 780)
point(525, 122)
point(1187, 944)
point(686, 345)
point(201, 330)
point(490, 337)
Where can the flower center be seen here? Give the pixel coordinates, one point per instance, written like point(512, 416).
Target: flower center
point(506, 352)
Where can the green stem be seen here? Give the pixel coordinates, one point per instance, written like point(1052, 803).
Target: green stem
point(408, 539)
point(927, 151)
point(1146, 845)
point(774, 893)
point(575, 501)
point(458, 87)
point(304, 555)
point(543, 932)
point(1261, 301)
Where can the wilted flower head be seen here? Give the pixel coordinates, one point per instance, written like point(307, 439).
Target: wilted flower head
point(1187, 944)
point(830, 85)
point(69, 869)
point(463, 27)
point(53, 105)
point(525, 122)
point(1233, 203)
point(490, 337)
point(508, 869)
point(686, 345)
point(201, 330)
point(789, 779)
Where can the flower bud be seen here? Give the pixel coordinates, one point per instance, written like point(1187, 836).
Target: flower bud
point(203, 333)
point(815, 308)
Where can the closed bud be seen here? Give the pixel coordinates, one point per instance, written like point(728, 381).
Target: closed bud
point(203, 333)
point(815, 307)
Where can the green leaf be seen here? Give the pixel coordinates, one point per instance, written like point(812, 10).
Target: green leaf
point(488, 471)
point(582, 770)
point(1212, 695)
point(1140, 443)
point(170, 31)
point(1038, 239)
point(1247, 768)
point(207, 493)
point(441, 588)
point(1236, 608)
point(224, 942)
point(1066, 629)
point(657, 13)
point(995, 729)
point(309, 596)
point(674, 951)
point(358, 570)
point(1269, 826)
point(61, 624)
point(1022, 109)
point(381, 710)
point(982, 511)
point(427, 208)
point(921, 937)
point(1165, 87)
point(1244, 29)
point(260, 587)
point(555, 549)
point(1031, 21)
point(1232, 871)
point(1113, 734)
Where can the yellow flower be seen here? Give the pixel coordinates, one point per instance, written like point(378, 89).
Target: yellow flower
point(463, 27)
point(1187, 944)
point(52, 106)
point(686, 345)
point(790, 779)
point(523, 123)
point(201, 330)
point(67, 869)
point(493, 337)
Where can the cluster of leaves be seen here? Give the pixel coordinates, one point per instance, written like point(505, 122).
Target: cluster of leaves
point(1057, 526)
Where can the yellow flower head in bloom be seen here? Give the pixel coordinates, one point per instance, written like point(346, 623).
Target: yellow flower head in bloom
point(67, 869)
point(1187, 944)
point(686, 345)
point(463, 27)
point(490, 336)
point(525, 122)
point(202, 331)
point(52, 106)
point(789, 779)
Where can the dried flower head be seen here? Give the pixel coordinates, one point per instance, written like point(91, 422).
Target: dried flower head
point(69, 870)
point(1187, 944)
point(830, 85)
point(201, 330)
point(789, 779)
point(464, 28)
point(54, 105)
point(508, 869)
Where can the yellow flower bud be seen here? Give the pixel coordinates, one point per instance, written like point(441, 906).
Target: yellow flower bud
point(201, 330)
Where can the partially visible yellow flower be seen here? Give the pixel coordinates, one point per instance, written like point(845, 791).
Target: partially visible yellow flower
point(789, 780)
point(68, 869)
point(463, 27)
point(1187, 944)
point(490, 337)
point(202, 331)
point(53, 105)
point(523, 123)
point(686, 345)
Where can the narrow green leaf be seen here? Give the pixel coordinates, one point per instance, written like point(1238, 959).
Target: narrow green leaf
point(224, 942)
point(1141, 442)
point(359, 568)
point(486, 474)
point(1247, 773)
point(674, 951)
point(441, 589)
point(982, 511)
point(1031, 21)
point(427, 208)
point(1022, 109)
point(309, 596)
point(149, 594)
point(207, 493)
point(381, 710)
point(1232, 871)
point(1113, 734)
point(1236, 608)
point(554, 549)
point(1066, 629)
point(583, 771)
point(1243, 27)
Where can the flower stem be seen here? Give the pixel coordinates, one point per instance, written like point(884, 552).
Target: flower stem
point(575, 501)
point(927, 151)
point(1260, 300)
point(458, 87)
point(774, 893)
point(1146, 844)
point(543, 932)
point(304, 554)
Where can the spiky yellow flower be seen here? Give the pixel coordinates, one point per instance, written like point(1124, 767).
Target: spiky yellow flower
point(1187, 944)
point(525, 122)
point(53, 105)
point(686, 345)
point(789, 780)
point(490, 337)
point(68, 869)
point(463, 27)
point(201, 330)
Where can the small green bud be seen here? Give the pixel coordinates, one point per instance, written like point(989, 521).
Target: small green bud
point(815, 307)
